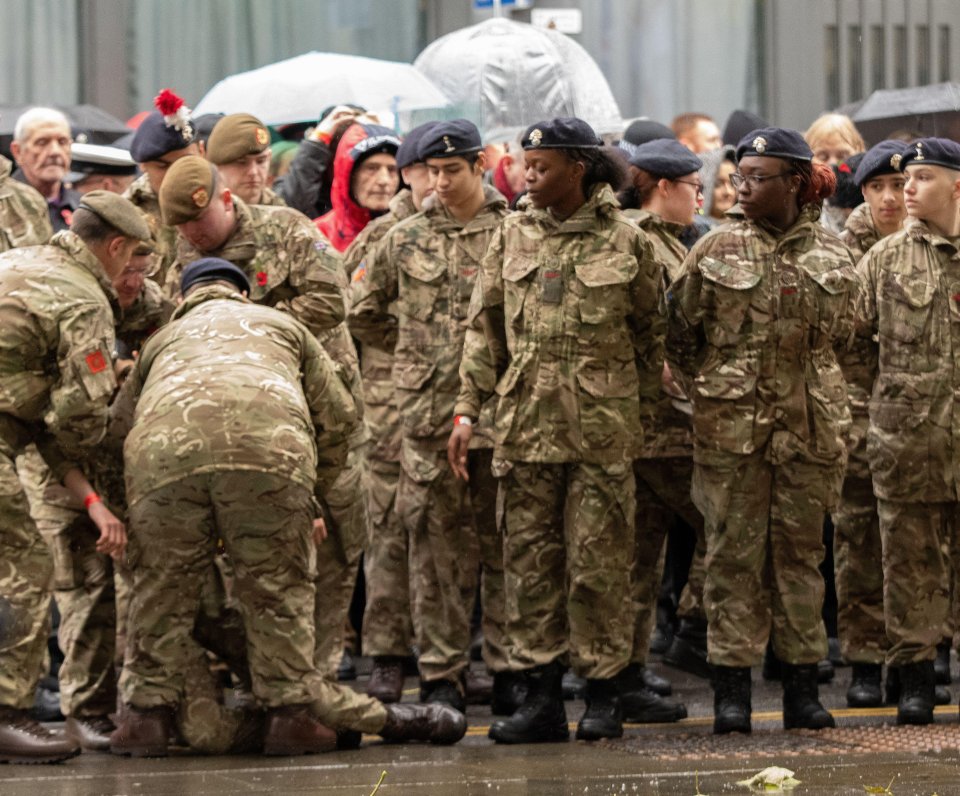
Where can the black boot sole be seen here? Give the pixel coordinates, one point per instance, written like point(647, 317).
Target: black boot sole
point(599, 733)
point(556, 734)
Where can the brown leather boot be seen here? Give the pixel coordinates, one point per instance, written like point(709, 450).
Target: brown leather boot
point(386, 679)
point(23, 740)
point(91, 732)
point(143, 732)
point(292, 730)
point(437, 723)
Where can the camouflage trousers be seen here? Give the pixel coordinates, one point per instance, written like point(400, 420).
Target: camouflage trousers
point(920, 549)
point(663, 493)
point(338, 560)
point(265, 522)
point(387, 626)
point(764, 532)
point(568, 553)
point(690, 605)
point(444, 560)
point(858, 563)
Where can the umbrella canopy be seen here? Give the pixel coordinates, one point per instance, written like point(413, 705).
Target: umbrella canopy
point(506, 75)
point(89, 124)
point(926, 110)
point(297, 89)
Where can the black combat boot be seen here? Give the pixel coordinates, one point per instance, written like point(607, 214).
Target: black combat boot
point(541, 718)
point(656, 683)
point(941, 664)
point(731, 699)
point(917, 693)
point(864, 690)
point(688, 650)
point(509, 691)
point(641, 704)
point(574, 687)
point(941, 694)
point(603, 717)
point(801, 699)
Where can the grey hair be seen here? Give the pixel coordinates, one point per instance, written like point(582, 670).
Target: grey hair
point(34, 116)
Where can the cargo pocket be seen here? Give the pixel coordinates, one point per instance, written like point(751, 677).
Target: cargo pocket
point(414, 396)
point(603, 287)
point(731, 290)
point(908, 334)
point(421, 276)
point(516, 284)
point(609, 398)
point(724, 409)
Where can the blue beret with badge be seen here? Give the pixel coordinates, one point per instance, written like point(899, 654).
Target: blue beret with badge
point(774, 142)
point(407, 152)
point(564, 132)
point(665, 157)
point(884, 158)
point(932, 152)
point(164, 130)
point(213, 269)
point(453, 139)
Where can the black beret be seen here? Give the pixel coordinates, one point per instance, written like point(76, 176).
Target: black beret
point(155, 138)
point(665, 158)
point(449, 140)
point(739, 124)
point(204, 123)
point(212, 269)
point(407, 153)
point(884, 158)
point(932, 152)
point(774, 142)
point(640, 132)
point(564, 132)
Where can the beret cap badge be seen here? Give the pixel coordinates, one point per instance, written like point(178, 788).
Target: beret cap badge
point(449, 146)
point(263, 137)
point(536, 137)
point(760, 144)
point(919, 155)
point(200, 197)
point(895, 160)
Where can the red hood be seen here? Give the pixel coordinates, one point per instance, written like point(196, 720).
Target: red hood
point(345, 221)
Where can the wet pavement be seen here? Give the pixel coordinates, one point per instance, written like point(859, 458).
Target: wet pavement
point(866, 750)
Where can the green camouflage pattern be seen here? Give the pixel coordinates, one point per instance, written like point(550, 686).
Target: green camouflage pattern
point(24, 219)
point(164, 237)
point(271, 198)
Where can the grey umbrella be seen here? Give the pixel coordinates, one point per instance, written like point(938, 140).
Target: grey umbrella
point(89, 124)
point(932, 110)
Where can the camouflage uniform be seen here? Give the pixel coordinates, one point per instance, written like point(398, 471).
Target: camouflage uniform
point(664, 465)
point(909, 301)
point(235, 403)
point(565, 328)
point(24, 220)
point(164, 237)
point(271, 199)
point(753, 321)
point(428, 265)
point(387, 627)
point(56, 337)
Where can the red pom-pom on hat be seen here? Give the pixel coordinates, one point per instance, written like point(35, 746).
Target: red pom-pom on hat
point(167, 102)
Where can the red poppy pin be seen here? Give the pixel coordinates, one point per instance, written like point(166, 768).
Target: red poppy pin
point(262, 278)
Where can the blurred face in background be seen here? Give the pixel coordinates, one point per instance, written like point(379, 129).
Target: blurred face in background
point(702, 137)
point(832, 149)
point(724, 194)
point(44, 155)
point(129, 282)
point(420, 180)
point(246, 177)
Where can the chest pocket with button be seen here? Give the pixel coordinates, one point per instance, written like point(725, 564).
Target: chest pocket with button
point(909, 334)
point(729, 289)
point(602, 287)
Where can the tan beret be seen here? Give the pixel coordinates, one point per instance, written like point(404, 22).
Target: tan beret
point(236, 136)
point(186, 190)
point(120, 214)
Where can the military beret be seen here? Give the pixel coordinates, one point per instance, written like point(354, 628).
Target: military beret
point(774, 142)
point(884, 158)
point(932, 152)
point(120, 214)
point(564, 132)
point(666, 158)
point(738, 124)
point(449, 140)
point(236, 136)
point(204, 123)
point(155, 138)
point(213, 269)
point(186, 190)
point(640, 132)
point(87, 159)
point(407, 153)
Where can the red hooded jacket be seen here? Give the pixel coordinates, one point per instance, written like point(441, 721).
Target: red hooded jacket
point(346, 220)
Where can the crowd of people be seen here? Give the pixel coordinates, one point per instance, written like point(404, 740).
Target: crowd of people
point(508, 380)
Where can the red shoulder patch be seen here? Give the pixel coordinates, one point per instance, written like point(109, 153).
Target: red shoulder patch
point(96, 362)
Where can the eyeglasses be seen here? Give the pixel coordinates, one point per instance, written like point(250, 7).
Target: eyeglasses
point(697, 185)
point(754, 180)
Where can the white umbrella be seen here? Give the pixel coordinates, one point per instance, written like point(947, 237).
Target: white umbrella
point(297, 89)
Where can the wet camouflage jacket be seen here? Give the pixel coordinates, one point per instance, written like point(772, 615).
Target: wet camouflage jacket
point(911, 302)
point(753, 322)
point(164, 237)
point(565, 328)
point(151, 310)
point(376, 356)
point(428, 265)
point(229, 385)
point(24, 220)
point(56, 341)
point(270, 198)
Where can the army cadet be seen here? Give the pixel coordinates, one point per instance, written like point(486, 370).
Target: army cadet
point(856, 542)
point(564, 328)
point(753, 321)
point(428, 265)
point(387, 628)
point(55, 312)
point(163, 137)
point(909, 302)
point(239, 147)
point(23, 212)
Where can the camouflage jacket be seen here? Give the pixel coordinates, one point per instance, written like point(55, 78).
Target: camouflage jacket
point(860, 233)
point(911, 302)
point(24, 220)
point(229, 385)
point(565, 328)
point(428, 265)
point(376, 355)
point(270, 198)
point(151, 310)
point(56, 342)
point(753, 323)
point(164, 237)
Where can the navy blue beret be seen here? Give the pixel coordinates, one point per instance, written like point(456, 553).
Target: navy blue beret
point(884, 158)
point(640, 132)
point(211, 269)
point(932, 152)
point(155, 138)
point(451, 139)
point(665, 158)
point(564, 132)
point(407, 153)
point(774, 142)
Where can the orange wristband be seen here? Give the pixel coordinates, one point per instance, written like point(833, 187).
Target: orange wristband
point(90, 499)
point(462, 420)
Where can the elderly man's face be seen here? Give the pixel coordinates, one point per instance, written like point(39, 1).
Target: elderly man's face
point(45, 154)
